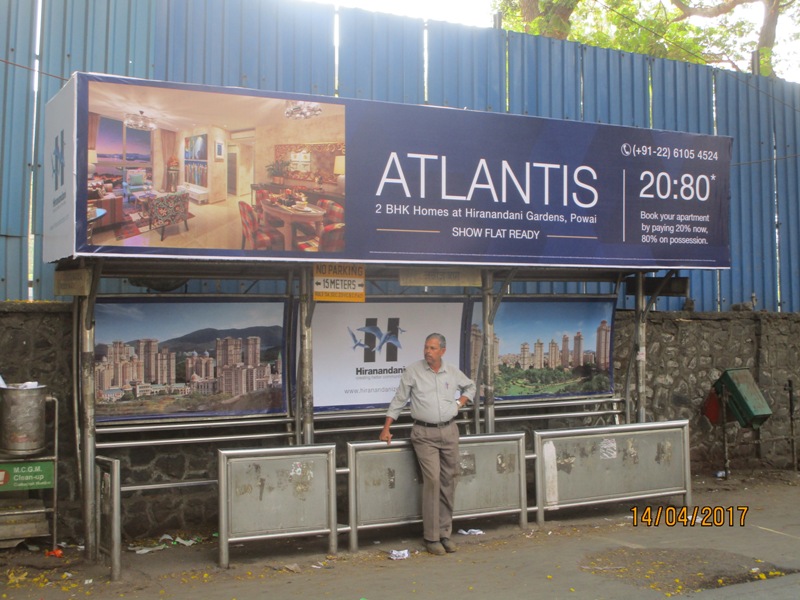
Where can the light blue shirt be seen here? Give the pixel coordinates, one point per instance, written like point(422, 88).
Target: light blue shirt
point(433, 395)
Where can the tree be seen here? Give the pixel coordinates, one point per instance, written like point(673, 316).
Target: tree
point(658, 29)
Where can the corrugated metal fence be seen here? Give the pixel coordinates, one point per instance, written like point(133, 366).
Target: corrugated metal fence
point(292, 46)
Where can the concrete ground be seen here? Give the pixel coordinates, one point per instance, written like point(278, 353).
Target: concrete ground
point(594, 553)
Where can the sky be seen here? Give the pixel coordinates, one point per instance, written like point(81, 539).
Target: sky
point(478, 13)
point(127, 321)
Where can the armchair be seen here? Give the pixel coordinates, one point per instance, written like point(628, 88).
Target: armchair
point(169, 209)
point(136, 181)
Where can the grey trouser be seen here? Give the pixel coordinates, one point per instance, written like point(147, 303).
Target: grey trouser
point(437, 454)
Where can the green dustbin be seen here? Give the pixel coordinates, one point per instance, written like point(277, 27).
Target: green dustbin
point(745, 400)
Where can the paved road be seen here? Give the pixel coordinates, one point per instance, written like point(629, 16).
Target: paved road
point(592, 553)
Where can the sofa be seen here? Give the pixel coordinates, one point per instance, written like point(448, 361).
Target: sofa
point(113, 205)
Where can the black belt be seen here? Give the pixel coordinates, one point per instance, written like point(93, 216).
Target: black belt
point(424, 424)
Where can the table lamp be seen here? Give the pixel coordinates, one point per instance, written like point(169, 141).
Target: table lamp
point(338, 170)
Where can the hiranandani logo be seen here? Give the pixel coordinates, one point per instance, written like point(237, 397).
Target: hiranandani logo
point(57, 160)
point(375, 341)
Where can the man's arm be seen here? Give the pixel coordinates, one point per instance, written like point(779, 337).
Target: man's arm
point(386, 435)
point(401, 397)
point(467, 388)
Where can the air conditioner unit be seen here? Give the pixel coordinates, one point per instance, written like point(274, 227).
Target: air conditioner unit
point(244, 134)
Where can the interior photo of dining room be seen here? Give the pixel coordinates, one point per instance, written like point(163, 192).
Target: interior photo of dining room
point(170, 167)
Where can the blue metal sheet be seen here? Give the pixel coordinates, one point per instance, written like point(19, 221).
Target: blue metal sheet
point(466, 67)
point(544, 77)
point(300, 69)
point(682, 96)
point(744, 111)
point(275, 44)
point(616, 87)
point(381, 57)
point(787, 169)
point(16, 95)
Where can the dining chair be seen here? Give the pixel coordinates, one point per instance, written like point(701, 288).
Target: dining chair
point(263, 195)
point(331, 239)
point(167, 210)
point(334, 213)
point(260, 235)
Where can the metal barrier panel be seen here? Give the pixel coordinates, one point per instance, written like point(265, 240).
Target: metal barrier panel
point(580, 467)
point(108, 519)
point(276, 492)
point(385, 486)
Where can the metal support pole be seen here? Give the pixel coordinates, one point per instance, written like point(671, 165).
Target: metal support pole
point(790, 388)
point(641, 348)
point(488, 351)
point(724, 407)
point(306, 375)
point(88, 433)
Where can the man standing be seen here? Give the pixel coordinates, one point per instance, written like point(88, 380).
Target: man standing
point(436, 390)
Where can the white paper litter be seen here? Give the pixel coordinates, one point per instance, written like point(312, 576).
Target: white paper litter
point(471, 532)
point(166, 536)
point(180, 540)
point(143, 550)
point(398, 554)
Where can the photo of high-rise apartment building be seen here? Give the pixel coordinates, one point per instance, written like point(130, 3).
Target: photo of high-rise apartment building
point(546, 347)
point(231, 368)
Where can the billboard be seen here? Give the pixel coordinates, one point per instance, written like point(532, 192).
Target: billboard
point(307, 178)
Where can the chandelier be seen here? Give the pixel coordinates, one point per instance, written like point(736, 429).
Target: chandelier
point(140, 121)
point(296, 109)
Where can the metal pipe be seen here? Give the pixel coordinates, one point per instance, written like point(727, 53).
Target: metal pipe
point(724, 406)
point(790, 388)
point(488, 353)
point(76, 385)
point(306, 375)
point(641, 348)
point(88, 430)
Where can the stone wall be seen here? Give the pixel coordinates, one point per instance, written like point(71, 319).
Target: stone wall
point(686, 353)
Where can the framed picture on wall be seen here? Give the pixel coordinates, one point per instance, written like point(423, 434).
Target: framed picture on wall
point(219, 149)
point(178, 358)
point(196, 147)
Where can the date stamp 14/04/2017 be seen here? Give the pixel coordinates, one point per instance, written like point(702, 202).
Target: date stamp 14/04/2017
point(696, 516)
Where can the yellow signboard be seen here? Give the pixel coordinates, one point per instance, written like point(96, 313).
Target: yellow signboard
point(339, 282)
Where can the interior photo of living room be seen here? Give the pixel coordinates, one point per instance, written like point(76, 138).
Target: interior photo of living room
point(171, 167)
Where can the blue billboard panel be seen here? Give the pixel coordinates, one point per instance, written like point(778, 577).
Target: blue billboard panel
point(303, 178)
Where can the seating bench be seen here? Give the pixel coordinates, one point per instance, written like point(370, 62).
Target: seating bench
point(197, 194)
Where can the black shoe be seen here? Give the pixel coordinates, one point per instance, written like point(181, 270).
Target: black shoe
point(449, 545)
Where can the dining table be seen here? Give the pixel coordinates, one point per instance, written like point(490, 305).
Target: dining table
point(310, 214)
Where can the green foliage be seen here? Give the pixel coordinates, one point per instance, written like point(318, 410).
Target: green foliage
point(650, 27)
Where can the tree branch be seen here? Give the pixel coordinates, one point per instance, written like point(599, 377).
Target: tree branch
point(722, 8)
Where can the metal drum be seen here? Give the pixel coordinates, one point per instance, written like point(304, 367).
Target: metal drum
point(22, 420)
